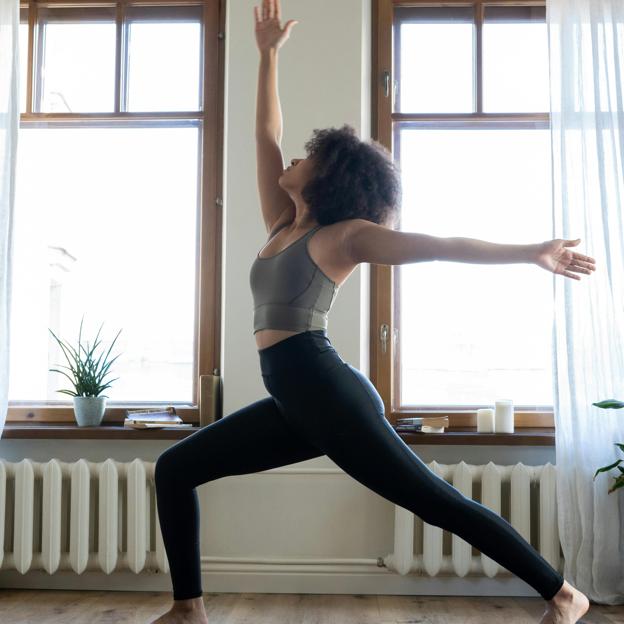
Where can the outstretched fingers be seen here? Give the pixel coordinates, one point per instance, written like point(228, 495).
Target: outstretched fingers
point(579, 268)
point(586, 259)
point(568, 274)
point(578, 260)
point(270, 10)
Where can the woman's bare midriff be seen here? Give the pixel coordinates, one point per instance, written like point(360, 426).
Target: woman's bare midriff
point(267, 337)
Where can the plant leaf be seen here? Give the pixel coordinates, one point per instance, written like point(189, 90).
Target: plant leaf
point(619, 482)
point(112, 343)
point(605, 468)
point(609, 403)
point(62, 373)
point(68, 392)
point(63, 349)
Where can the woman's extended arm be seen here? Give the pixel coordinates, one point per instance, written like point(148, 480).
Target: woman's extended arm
point(269, 37)
point(268, 110)
point(274, 200)
point(369, 242)
point(366, 241)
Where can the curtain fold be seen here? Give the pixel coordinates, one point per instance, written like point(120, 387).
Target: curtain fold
point(9, 123)
point(586, 50)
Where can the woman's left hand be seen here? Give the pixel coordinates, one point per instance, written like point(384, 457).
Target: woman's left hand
point(554, 257)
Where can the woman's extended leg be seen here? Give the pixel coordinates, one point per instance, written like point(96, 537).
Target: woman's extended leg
point(375, 455)
point(251, 439)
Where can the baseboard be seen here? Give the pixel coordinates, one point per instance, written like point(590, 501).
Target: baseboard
point(273, 582)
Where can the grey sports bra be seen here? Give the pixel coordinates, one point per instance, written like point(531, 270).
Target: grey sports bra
point(289, 289)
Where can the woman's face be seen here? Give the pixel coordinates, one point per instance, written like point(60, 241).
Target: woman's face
point(297, 175)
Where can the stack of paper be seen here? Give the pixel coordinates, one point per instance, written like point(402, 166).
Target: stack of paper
point(155, 419)
point(422, 424)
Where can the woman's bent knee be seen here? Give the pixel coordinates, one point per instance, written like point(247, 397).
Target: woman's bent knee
point(179, 467)
point(164, 468)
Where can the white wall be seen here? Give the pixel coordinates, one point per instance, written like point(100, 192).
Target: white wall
point(312, 512)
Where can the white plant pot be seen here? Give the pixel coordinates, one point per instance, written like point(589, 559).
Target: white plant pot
point(89, 411)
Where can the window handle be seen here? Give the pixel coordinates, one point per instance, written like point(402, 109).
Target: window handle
point(383, 336)
point(386, 81)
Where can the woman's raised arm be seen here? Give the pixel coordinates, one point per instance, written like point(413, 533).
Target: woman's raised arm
point(269, 37)
point(274, 200)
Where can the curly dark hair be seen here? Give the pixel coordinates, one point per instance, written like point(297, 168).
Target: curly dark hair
point(353, 178)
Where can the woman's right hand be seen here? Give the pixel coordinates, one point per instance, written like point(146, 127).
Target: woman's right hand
point(269, 34)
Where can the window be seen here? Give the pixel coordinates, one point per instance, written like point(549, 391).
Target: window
point(116, 206)
point(463, 104)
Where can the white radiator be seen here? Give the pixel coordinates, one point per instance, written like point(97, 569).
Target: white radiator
point(102, 516)
point(517, 481)
point(79, 515)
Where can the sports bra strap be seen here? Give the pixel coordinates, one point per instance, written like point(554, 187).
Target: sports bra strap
point(308, 233)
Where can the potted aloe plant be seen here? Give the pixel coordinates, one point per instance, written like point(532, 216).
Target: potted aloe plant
point(619, 480)
point(88, 374)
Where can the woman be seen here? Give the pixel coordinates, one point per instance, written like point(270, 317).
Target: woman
point(318, 403)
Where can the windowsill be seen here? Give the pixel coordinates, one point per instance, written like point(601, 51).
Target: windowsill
point(70, 431)
point(522, 436)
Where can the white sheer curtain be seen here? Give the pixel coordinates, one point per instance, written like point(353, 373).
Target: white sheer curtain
point(9, 122)
point(586, 39)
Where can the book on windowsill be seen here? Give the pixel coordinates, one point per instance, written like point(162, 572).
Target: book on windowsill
point(142, 425)
point(154, 419)
point(421, 424)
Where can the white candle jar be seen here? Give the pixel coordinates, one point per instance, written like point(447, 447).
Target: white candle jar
point(504, 416)
point(485, 420)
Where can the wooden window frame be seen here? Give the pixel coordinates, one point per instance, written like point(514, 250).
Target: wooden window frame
point(208, 263)
point(384, 285)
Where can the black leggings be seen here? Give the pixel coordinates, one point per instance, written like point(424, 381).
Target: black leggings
point(321, 405)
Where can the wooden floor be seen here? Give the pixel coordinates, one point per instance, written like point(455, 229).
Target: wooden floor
point(26, 606)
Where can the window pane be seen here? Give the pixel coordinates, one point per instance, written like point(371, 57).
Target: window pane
point(107, 231)
point(78, 73)
point(473, 333)
point(433, 55)
point(164, 77)
point(23, 59)
point(515, 60)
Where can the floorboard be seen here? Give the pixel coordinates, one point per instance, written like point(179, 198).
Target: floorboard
point(28, 606)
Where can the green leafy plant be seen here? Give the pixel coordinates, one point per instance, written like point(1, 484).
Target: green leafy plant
point(88, 374)
point(619, 480)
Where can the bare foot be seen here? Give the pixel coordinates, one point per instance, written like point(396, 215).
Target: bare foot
point(566, 607)
point(189, 611)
